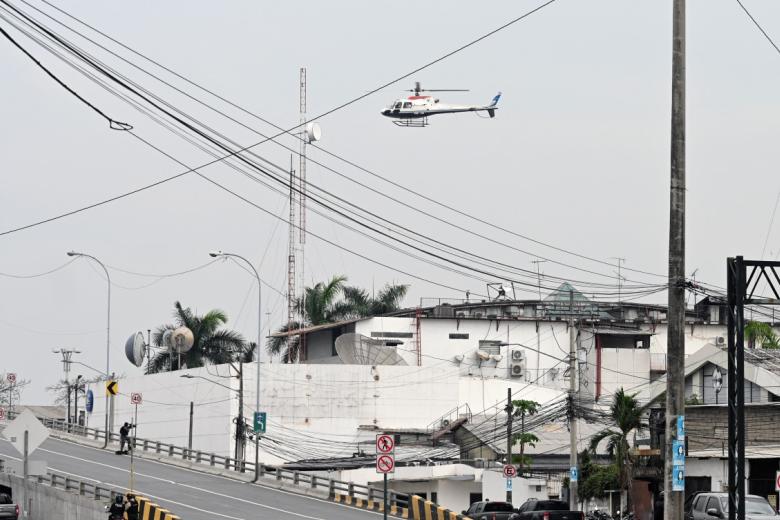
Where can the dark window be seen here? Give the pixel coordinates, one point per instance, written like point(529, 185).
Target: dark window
point(458, 335)
point(496, 507)
point(434, 497)
point(408, 104)
point(624, 341)
point(5, 499)
point(699, 504)
point(391, 335)
point(423, 494)
point(475, 497)
point(712, 503)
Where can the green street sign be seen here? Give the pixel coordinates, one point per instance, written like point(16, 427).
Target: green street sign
point(259, 422)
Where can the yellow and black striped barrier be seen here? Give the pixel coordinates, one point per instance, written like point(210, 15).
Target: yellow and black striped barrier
point(147, 510)
point(371, 505)
point(426, 510)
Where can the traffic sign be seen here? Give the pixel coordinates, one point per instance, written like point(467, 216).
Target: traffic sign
point(509, 484)
point(574, 474)
point(11, 377)
point(2, 414)
point(385, 464)
point(36, 432)
point(777, 481)
point(510, 471)
point(385, 443)
point(136, 398)
point(260, 422)
point(112, 387)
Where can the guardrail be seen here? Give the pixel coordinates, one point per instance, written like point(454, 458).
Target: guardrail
point(68, 483)
point(299, 478)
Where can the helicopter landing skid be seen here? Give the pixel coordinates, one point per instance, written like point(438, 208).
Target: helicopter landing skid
point(415, 123)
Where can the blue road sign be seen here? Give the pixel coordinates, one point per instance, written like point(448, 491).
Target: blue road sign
point(509, 484)
point(678, 478)
point(574, 474)
point(90, 401)
point(678, 453)
point(680, 427)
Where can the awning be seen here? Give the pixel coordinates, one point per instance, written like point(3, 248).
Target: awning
point(314, 328)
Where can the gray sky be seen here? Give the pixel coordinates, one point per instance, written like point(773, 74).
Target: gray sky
point(576, 157)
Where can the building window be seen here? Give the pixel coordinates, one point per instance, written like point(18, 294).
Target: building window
point(391, 335)
point(475, 497)
point(538, 489)
point(458, 335)
point(490, 346)
point(434, 497)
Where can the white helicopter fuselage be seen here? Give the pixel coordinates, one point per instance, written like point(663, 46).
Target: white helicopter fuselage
point(416, 107)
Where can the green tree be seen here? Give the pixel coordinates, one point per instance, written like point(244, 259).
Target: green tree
point(626, 416)
point(596, 479)
point(332, 301)
point(762, 334)
point(212, 343)
point(523, 408)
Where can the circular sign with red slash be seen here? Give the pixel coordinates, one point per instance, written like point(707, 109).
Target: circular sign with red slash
point(11, 377)
point(385, 464)
point(136, 398)
point(385, 443)
point(510, 471)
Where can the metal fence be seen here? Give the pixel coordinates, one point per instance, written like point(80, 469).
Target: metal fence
point(68, 483)
point(298, 478)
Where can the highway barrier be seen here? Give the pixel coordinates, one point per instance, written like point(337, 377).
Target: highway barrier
point(148, 510)
point(337, 490)
point(426, 510)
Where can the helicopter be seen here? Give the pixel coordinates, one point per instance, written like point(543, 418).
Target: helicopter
point(415, 109)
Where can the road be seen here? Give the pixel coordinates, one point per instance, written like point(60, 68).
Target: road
point(190, 494)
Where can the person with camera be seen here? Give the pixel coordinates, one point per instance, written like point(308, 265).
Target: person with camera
point(124, 438)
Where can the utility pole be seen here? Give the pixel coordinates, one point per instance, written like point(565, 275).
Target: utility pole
point(67, 354)
point(620, 262)
point(573, 498)
point(240, 418)
point(189, 437)
point(538, 338)
point(509, 414)
point(675, 350)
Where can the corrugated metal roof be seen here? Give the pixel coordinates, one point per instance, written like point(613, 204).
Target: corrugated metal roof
point(314, 328)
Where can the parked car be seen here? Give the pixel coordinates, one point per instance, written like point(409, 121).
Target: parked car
point(546, 510)
point(711, 506)
point(490, 511)
point(8, 510)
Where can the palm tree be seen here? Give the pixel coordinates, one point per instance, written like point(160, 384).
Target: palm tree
point(322, 304)
point(522, 408)
point(626, 413)
point(761, 333)
point(212, 343)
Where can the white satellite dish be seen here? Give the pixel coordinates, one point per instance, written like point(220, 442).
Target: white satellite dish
point(496, 357)
point(313, 132)
point(135, 349)
point(484, 356)
point(356, 349)
point(166, 339)
point(182, 340)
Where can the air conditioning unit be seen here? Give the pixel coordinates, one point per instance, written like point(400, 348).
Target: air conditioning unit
point(720, 340)
point(517, 363)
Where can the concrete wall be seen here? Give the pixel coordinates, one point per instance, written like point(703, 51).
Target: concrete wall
point(45, 502)
point(314, 410)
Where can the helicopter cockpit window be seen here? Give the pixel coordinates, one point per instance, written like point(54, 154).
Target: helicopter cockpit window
point(397, 105)
point(408, 104)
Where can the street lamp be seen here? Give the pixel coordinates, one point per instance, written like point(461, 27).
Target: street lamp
point(108, 330)
point(239, 419)
point(220, 254)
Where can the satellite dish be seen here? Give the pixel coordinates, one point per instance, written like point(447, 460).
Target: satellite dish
point(356, 349)
point(313, 132)
point(496, 357)
point(182, 340)
point(135, 349)
point(484, 356)
point(166, 339)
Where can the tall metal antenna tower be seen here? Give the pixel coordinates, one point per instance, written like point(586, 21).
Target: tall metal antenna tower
point(302, 200)
point(291, 250)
